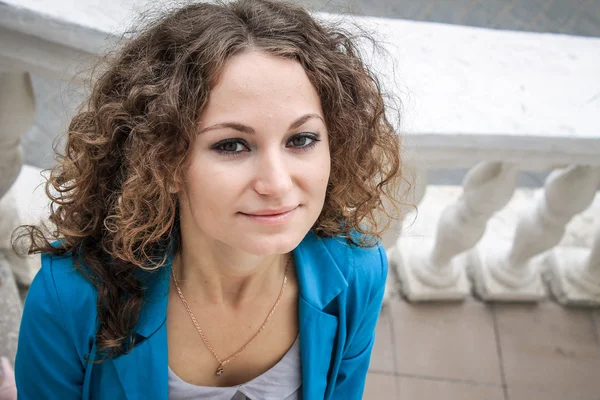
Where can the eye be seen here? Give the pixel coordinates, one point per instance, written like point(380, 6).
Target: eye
point(303, 140)
point(230, 146)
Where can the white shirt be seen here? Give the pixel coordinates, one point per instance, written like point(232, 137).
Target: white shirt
point(282, 382)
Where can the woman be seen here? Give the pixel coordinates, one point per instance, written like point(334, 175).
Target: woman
point(215, 214)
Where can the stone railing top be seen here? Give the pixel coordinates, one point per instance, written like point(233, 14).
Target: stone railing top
point(503, 91)
point(456, 79)
point(81, 24)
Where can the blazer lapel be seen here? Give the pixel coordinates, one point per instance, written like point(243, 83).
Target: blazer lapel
point(143, 372)
point(317, 336)
point(320, 280)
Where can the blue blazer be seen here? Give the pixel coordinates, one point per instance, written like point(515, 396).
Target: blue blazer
point(341, 290)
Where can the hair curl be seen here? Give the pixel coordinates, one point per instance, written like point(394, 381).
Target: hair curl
point(111, 206)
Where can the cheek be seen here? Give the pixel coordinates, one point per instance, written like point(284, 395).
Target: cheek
point(324, 169)
point(318, 176)
point(211, 188)
point(322, 176)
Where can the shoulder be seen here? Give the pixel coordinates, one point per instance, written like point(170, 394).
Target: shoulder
point(57, 331)
point(365, 268)
point(365, 272)
point(64, 293)
point(70, 286)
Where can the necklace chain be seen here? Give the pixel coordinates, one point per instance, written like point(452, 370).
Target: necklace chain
point(222, 363)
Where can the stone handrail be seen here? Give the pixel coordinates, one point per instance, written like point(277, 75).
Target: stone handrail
point(462, 88)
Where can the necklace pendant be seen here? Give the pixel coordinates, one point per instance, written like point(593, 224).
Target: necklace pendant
point(220, 370)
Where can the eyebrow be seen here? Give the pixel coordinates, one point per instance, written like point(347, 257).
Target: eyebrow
point(250, 131)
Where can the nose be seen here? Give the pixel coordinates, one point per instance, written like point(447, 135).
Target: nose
point(273, 177)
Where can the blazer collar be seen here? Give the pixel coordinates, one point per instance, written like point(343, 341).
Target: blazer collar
point(320, 279)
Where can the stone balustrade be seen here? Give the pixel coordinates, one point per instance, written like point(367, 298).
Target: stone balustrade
point(498, 103)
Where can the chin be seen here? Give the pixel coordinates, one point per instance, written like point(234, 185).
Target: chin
point(265, 245)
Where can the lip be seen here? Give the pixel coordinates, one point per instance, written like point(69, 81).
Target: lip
point(272, 217)
point(271, 212)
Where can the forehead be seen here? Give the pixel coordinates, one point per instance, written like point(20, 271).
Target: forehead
point(254, 83)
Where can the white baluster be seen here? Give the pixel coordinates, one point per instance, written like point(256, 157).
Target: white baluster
point(16, 116)
point(410, 194)
point(435, 269)
point(573, 274)
point(511, 272)
point(417, 182)
point(17, 108)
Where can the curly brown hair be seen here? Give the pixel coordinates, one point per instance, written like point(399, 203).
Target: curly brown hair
point(111, 206)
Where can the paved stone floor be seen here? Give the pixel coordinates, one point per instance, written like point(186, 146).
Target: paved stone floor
point(476, 351)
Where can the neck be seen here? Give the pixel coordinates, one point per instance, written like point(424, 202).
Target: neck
point(223, 276)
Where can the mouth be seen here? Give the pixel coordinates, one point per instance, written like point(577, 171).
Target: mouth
point(271, 217)
point(271, 211)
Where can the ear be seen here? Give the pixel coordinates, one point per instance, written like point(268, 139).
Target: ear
point(175, 187)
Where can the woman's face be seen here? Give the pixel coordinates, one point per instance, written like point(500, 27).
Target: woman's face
point(260, 164)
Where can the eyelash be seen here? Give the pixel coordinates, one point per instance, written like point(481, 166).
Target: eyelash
point(219, 146)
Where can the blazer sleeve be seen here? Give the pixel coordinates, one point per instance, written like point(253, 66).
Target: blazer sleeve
point(353, 369)
point(47, 365)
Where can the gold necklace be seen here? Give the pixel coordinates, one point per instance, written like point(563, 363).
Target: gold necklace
point(222, 364)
